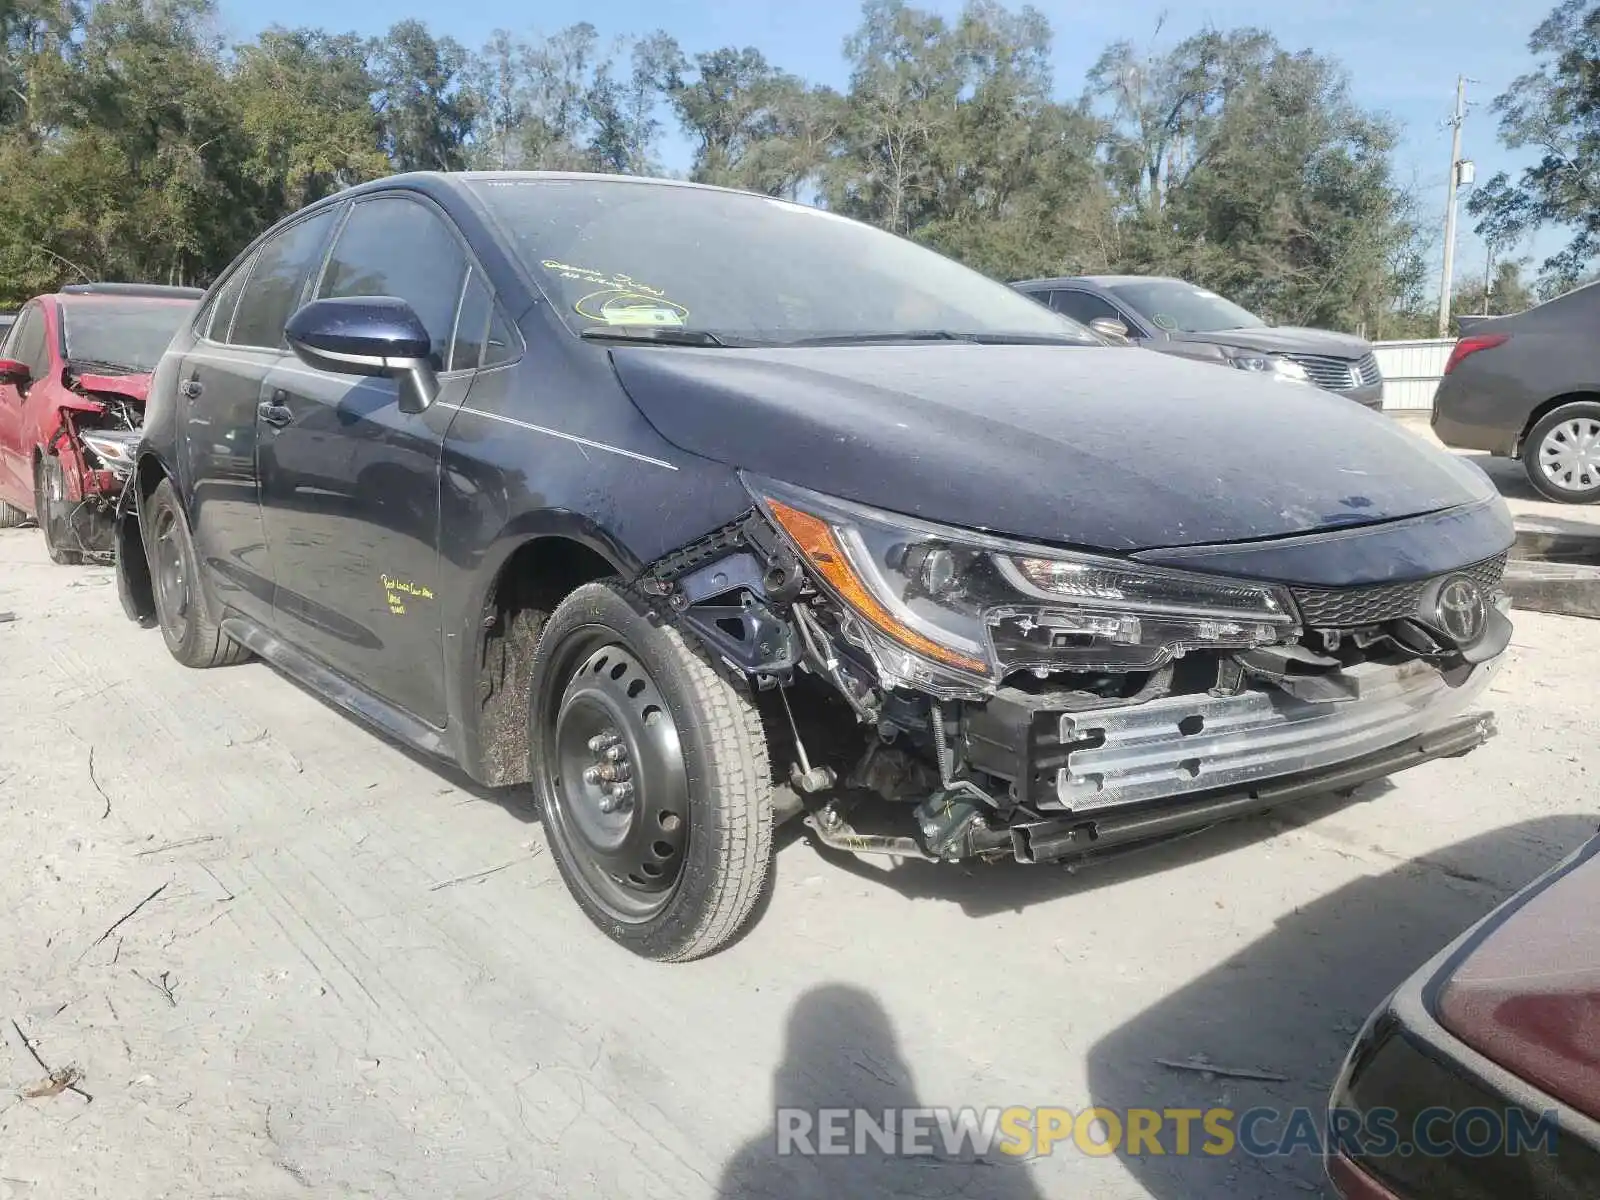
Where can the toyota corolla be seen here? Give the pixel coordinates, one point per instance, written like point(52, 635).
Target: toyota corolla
point(699, 511)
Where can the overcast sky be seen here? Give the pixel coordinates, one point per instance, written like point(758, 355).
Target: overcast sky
point(1403, 57)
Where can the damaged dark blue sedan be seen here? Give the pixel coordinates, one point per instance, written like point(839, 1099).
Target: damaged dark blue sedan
point(700, 511)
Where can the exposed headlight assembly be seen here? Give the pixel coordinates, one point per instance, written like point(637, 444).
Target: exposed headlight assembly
point(1267, 364)
point(950, 609)
point(114, 448)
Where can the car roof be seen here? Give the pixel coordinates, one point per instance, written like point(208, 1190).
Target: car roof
point(1095, 280)
point(451, 189)
point(124, 297)
point(459, 181)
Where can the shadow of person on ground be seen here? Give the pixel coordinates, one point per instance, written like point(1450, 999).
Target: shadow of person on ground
point(1292, 1001)
point(841, 1053)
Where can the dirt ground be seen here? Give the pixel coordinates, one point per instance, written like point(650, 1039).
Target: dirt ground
point(289, 960)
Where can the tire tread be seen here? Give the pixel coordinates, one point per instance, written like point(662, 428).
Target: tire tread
point(740, 769)
point(206, 646)
point(733, 797)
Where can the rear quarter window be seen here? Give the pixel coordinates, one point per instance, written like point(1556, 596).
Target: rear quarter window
point(219, 317)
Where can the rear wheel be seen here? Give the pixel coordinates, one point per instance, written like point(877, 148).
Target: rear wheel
point(11, 516)
point(192, 637)
point(1562, 453)
point(55, 511)
point(652, 776)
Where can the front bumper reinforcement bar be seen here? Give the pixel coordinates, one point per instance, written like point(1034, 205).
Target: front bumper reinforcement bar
point(1183, 745)
point(1072, 837)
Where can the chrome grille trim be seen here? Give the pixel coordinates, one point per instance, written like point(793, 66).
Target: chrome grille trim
point(1373, 604)
point(1339, 374)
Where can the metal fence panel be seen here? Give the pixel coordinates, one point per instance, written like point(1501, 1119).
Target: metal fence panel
point(1411, 371)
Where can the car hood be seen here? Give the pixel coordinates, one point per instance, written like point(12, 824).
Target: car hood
point(1284, 339)
point(1092, 447)
point(135, 387)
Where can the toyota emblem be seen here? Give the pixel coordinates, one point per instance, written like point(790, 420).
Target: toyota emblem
point(1460, 610)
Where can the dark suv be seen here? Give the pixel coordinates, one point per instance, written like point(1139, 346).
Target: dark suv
point(1177, 317)
point(700, 510)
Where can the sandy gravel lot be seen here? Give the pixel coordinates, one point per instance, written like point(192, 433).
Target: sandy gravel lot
point(289, 960)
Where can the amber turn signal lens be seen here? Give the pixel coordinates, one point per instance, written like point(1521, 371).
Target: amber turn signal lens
point(816, 540)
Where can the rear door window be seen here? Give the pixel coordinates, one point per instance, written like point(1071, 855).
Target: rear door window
point(28, 342)
point(278, 279)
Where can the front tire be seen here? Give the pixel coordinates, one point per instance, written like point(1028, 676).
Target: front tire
point(652, 777)
point(55, 517)
point(191, 636)
point(1562, 453)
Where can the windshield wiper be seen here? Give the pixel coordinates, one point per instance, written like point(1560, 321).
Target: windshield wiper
point(938, 335)
point(909, 335)
point(666, 334)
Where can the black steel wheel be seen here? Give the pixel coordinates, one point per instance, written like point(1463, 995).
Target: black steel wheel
point(652, 777)
point(193, 638)
point(54, 512)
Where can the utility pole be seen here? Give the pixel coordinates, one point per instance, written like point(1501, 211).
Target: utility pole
point(1488, 272)
point(1456, 121)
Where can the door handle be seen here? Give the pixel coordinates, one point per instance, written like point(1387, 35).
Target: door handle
point(274, 414)
point(191, 388)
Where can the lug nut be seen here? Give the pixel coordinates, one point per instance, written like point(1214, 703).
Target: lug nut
point(604, 741)
point(617, 796)
point(616, 753)
point(607, 772)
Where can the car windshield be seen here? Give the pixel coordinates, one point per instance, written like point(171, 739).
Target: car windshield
point(625, 257)
point(129, 334)
point(1182, 307)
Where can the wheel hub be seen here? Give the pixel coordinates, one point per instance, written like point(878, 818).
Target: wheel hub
point(169, 567)
point(620, 786)
point(1569, 456)
point(611, 771)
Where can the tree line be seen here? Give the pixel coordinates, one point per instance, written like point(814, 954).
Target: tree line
point(136, 144)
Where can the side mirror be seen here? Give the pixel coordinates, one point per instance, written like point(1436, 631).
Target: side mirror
point(14, 372)
point(376, 336)
point(1113, 331)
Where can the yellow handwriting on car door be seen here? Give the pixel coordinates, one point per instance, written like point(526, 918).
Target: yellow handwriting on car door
point(397, 590)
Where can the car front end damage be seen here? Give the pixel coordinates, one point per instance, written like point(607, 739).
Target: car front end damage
point(1027, 701)
point(96, 440)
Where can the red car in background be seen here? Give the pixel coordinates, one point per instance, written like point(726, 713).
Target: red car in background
point(1479, 1077)
point(74, 371)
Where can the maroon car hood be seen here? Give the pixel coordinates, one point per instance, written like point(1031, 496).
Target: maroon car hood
point(135, 387)
point(1528, 995)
